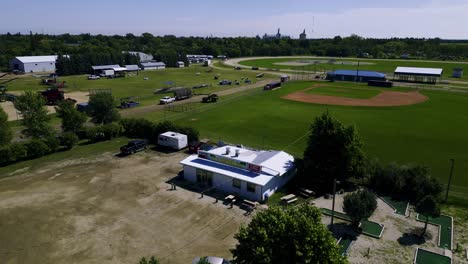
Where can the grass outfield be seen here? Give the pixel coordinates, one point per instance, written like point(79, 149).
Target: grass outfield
point(337, 90)
point(137, 86)
point(387, 66)
point(429, 133)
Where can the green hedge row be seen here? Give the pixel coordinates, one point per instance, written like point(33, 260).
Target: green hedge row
point(142, 128)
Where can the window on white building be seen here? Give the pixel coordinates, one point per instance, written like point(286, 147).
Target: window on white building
point(236, 183)
point(251, 187)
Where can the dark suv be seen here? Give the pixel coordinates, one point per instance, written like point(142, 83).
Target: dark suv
point(134, 146)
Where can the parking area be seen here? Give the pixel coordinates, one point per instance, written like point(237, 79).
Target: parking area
point(110, 210)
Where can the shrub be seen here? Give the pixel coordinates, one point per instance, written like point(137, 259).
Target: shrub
point(104, 132)
point(359, 205)
point(52, 142)
point(19, 151)
point(6, 156)
point(69, 140)
point(36, 148)
point(192, 133)
point(137, 128)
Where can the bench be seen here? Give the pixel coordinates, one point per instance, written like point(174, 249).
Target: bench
point(249, 203)
point(291, 201)
point(288, 197)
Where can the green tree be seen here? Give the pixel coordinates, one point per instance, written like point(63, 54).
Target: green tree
point(31, 105)
point(102, 108)
point(293, 235)
point(152, 260)
point(333, 152)
point(72, 119)
point(359, 205)
point(203, 260)
point(5, 131)
point(428, 207)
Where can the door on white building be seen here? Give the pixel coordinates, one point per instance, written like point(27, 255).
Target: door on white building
point(204, 177)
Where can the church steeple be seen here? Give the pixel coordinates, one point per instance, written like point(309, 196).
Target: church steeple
point(303, 35)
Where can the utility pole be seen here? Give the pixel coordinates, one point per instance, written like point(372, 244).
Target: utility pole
point(333, 204)
point(452, 161)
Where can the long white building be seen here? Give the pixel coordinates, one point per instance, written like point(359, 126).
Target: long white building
point(34, 63)
point(252, 174)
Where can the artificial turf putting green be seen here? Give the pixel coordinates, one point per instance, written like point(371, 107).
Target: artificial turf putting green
point(446, 227)
point(427, 257)
point(345, 244)
point(399, 206)
point(369, 228)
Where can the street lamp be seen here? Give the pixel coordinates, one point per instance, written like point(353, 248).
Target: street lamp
point(450, 178)
point(333, 204)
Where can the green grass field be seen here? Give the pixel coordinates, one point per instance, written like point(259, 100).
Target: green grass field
point(137, 86)
point(429, 133)
point(335, 89)
point(427, 257)
point(446, 228)
point(387, 66)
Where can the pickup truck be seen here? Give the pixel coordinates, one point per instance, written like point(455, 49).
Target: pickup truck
point(134, 146)
point(225, 82)
point(167, 100)
point(94, 77)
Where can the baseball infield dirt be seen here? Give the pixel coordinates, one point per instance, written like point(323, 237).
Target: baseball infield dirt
point(385, 98)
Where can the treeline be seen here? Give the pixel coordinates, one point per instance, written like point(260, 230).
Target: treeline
point(170, 48)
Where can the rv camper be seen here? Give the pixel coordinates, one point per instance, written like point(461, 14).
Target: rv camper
point(173, 140)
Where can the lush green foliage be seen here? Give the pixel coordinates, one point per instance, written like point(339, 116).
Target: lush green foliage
point(428, 207)
point(293, 235)
point(31, 105)
point(359, 205)
point(72, 119)
point(68, 140)
point(152, 260)
point(203, 260)
point(333, 152)
point(103, 132)
point(5, 130)
point(102, 108)
point(143, 128)
point(408, 182)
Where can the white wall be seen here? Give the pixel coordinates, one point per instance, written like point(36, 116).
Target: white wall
point(39, 67)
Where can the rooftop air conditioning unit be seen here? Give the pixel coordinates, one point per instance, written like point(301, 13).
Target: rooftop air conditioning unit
point(228, 150)
point(237, 153)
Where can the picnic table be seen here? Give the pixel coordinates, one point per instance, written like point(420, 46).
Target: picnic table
point(230, 197)
point(288, 197)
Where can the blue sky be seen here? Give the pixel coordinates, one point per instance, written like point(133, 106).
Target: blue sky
point(367, 18)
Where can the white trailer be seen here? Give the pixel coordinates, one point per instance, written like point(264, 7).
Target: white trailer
point(173, 140)
point(106, 73)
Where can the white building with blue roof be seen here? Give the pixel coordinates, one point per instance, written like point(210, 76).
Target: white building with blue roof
point(248, 173)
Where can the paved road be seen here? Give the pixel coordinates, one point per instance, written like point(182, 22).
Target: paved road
point(157, 107)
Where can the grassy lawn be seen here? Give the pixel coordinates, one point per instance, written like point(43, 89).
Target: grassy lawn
point(429, 133)
point(387, 66)
point(427, 257)
point(343, 91)
point(86, 151)
point(399, 206)
point(445, 223)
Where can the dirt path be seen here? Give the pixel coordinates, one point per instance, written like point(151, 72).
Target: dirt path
point(110, 210)
point(157, 107)
point(384, 99)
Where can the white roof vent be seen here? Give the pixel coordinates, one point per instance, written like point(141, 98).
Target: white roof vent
point(237, 153)
point(228, 150)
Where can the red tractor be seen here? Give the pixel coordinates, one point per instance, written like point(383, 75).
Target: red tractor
point(53, 95)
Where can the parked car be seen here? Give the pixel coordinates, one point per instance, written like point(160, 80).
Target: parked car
point(94, 77)
point(254, 68)
point(225, 82)
point(167, 100)
point(134, 146)
point(237, 68)
point(200, 86)
point(211, 98)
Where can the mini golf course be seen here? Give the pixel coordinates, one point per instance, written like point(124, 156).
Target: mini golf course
point(445, 224)
point(369, 228)
point(428, 257)
point(345, 244)
point(399, 206)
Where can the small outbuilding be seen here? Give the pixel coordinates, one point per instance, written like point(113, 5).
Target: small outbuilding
point(131, 68)
point(173, 140)
point(152, 65)
point(34, 63)
point(457, 72)
point(418, 74)
point(180, 64)
point(101, 69)
point(355, 76)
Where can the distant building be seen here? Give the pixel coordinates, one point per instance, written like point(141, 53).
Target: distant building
point(457, 72)
point(132, 67)
point(34, 63)
point(152, 65)
point(418, 74)
point(303, 35)
point(143, 56)
point(180, 64)
point(276, 36)
point(355, 76)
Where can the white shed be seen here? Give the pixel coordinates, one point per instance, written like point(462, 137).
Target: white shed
point(34, 63)
point(173, 140)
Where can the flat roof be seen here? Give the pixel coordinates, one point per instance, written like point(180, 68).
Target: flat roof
point(173, 134)
point(30, 59)
point(419, 71)
point(372, 74)
point(152, 64)
point(273, 163)
point(132, 67)
point(105, 67)
point(119, 68)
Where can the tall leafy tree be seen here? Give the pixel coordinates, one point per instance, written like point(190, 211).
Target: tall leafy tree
point(359, 205)
point(428, 207)
point(102, 108)
point(31, 105)
point(72, 119)
point(333, 152)
point(294, 235)
point(5, 130)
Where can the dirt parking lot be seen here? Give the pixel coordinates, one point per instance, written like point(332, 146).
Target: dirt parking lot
point(110, 210)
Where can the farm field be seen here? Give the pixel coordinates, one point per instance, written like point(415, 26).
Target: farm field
point(429, 133)
point(386, 66)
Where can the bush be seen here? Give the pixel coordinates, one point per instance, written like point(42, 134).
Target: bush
point(52, 143)
point(18, 151)
point(69, 140)
point(192, 133)
point(104, 132)
point(359, 205)
point(137, 128)
point(6, 156)
point(36, 148)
